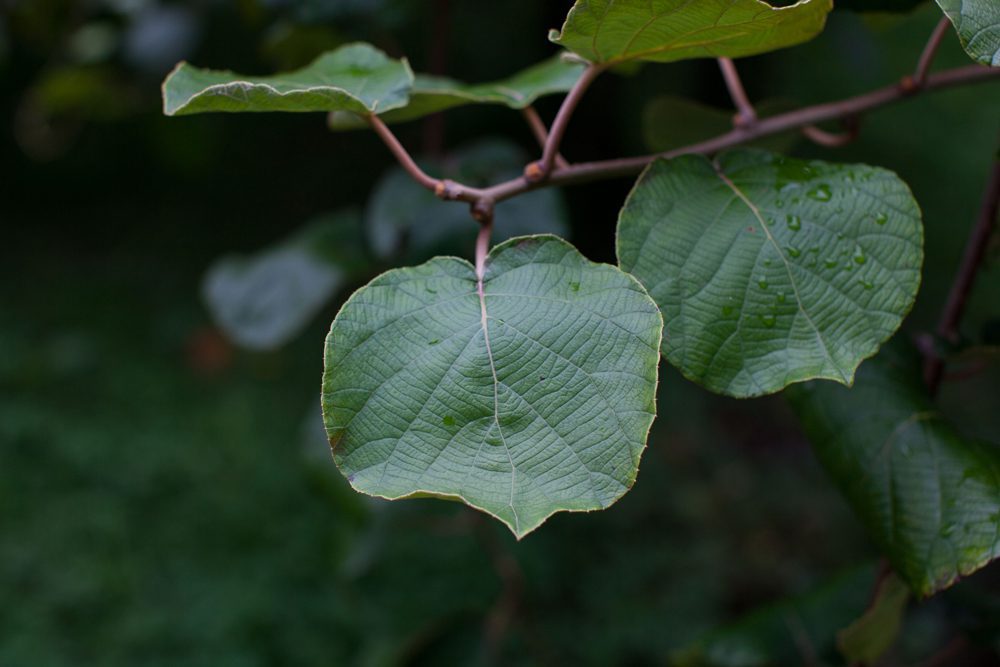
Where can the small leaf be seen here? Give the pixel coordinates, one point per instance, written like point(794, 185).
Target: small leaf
point(978, 26)
point(520, 396)
point(866, 639)
point(401, 211)
point(771, 270)
point(783, 632)
point(609, 31)
point(431, 94)
point(356, 77)
point(929, 497)
point(263, 301)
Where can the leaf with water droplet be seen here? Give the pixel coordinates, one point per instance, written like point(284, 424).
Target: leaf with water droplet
point(929, 496)
point(682, 232)
point(820, 193)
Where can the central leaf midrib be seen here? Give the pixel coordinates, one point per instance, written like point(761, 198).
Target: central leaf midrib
point(484, 323)
point(788, 269)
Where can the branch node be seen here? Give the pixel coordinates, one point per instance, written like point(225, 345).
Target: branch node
point(482, 210)
point(534, 172)
point(908, 85)
point(447, 190)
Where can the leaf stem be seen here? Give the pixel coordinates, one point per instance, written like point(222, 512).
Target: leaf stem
point(930, 50)
point(483, 242)
point(540, 132)
point(540, 170)
point(746, 115)
point(403, 157)
point(972, 259)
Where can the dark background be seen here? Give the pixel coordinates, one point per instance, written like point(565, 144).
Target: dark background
point(168, 499)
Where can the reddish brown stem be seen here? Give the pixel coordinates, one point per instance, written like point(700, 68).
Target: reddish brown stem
point(404, 159)
point(961, 288)
point(561, 122)
point(746, 115)
point(541, 133)
point(930, 50)
point(831, 139)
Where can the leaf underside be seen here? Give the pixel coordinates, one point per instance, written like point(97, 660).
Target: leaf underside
point(612, 31)
point(356, 77)
point(929, 497)
point(770, 270)
point(431, 94)
point(978, 25)
point(534, 398)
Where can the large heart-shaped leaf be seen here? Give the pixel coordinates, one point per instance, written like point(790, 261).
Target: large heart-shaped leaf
point(612, 31)
point(263, 301)
point(978, 26)
point(357, 78)
point(528, 393)
point(401, 212)
point(771, 270)
point(431, 94)
point(929, 497)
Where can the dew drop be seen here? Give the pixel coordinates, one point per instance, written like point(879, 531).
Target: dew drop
point(448, 420)
point(434, 342)
point(762, 283)
point(866, 284)
point(831, 263)
point(793, 251)
point(432, 291)
point(779, 203)
point(575, 287)
point(820, 193)
point(768, 320)
point(780, 297)
point(881, 218)
point(794, 222)
point(767, 262)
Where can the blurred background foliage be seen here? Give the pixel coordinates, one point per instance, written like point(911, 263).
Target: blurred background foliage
point(167, 496)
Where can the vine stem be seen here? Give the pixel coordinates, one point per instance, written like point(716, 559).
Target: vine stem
point(745, 113)
point(585, 172)
point(540, 171)
point(961, 288)
point(541, 132)
point(930, 50)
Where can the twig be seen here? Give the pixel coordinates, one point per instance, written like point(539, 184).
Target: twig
point(930, 50)
point(584, 172)
point(541, 132)
point(404, 159)
point(972, 259)
point(745, 113)
point(833, 140)
point(540, 170)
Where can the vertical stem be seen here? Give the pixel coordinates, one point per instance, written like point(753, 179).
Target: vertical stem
point(975, 251)
point(483, 248)
point(930, 50)
point(561, 122)
point(745, 111)
point(540, 132)
point(404, 159)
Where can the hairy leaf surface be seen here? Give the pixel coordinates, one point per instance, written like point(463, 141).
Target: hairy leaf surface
point(771, 270)
point(528, 394)
point(929, 497)
point(431, 94)
point(978, 26)
point(612, 31)
point(356, 77)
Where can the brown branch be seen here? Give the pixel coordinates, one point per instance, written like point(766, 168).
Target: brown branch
point(746, 115)
point(820, 136)
point(540, 132)
point(972, 259)
point(930, 50)
point(399, 152)
point(540, 170)
point(585, 172)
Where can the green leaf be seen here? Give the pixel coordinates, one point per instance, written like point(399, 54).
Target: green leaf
point(978, 26)
point(528, 395)
point(929, 497)
point(356, 77)
point(771, 270)
point(785, 632)
point(263, 301)
point(431, 94)
point(673, 122)
point(866, 639)
point(402, 215)
point(610, 31)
